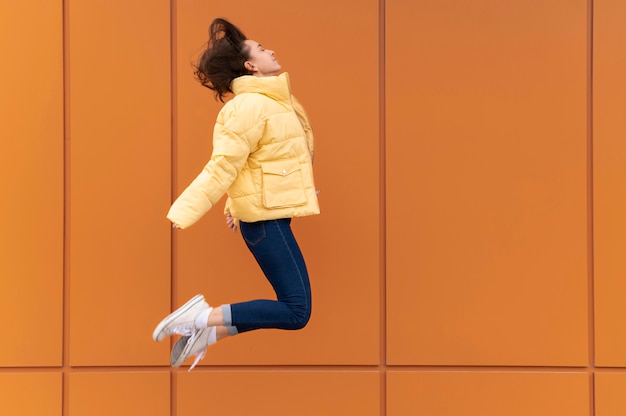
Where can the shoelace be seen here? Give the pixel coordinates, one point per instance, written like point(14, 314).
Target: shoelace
point(183, 329)
point(200, 354)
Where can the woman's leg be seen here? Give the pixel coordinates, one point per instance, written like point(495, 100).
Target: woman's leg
point(276, 251)
point(275, 248)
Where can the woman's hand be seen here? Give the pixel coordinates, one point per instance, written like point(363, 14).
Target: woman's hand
point(230, 221)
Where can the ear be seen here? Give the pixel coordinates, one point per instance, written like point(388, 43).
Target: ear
point(249, 66)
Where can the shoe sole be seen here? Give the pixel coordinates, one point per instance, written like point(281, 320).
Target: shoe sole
point(184, 346)
point(156, 334)
point(176, 357)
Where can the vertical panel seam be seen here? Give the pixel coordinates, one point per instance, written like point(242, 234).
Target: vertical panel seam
point(174, 177)
point(383, 203)
point(65, 356)
point(590, 207)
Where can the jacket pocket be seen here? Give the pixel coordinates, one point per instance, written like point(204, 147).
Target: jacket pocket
point(282, 184)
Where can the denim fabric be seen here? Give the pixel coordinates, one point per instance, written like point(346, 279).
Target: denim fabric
point(276, 251)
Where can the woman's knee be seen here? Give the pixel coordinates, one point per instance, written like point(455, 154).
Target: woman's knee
point(300, 318)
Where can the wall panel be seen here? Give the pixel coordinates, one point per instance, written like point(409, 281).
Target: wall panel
point(268, 393)
point(486, 182)
point(27, 394)
point(341, 245)
point(487, 394)
point(120, 180)
point(609, 149)
point(121, 394)
point(609, 394)
point(31, 180)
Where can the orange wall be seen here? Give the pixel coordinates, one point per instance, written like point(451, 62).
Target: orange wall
point(468, 261)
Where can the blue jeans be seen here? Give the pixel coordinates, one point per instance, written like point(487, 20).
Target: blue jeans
point(276, 251)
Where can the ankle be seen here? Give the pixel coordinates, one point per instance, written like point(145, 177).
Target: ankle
point(202, 319)
point(221, 333)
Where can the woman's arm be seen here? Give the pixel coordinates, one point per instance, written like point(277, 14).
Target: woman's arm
point(230, 152)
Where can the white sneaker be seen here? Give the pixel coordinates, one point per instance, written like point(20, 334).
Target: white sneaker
point(195, 344)
point(181, 321)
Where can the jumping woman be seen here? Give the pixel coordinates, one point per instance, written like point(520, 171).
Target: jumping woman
point(262, 159)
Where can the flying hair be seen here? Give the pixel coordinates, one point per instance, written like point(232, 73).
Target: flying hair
point(224, 58)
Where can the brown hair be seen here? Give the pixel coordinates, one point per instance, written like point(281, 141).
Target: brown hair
point(224, 58)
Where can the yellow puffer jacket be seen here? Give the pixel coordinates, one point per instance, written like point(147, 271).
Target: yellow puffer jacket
point(262, 157)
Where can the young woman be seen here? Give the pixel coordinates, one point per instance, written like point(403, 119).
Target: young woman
point(262, 158)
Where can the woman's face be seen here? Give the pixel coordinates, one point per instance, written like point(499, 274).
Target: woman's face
point(262, 62)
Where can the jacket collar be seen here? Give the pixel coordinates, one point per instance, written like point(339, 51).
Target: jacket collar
point(275, 87)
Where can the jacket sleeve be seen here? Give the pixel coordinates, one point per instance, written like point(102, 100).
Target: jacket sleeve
point(230, 152)
point(306, 125)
